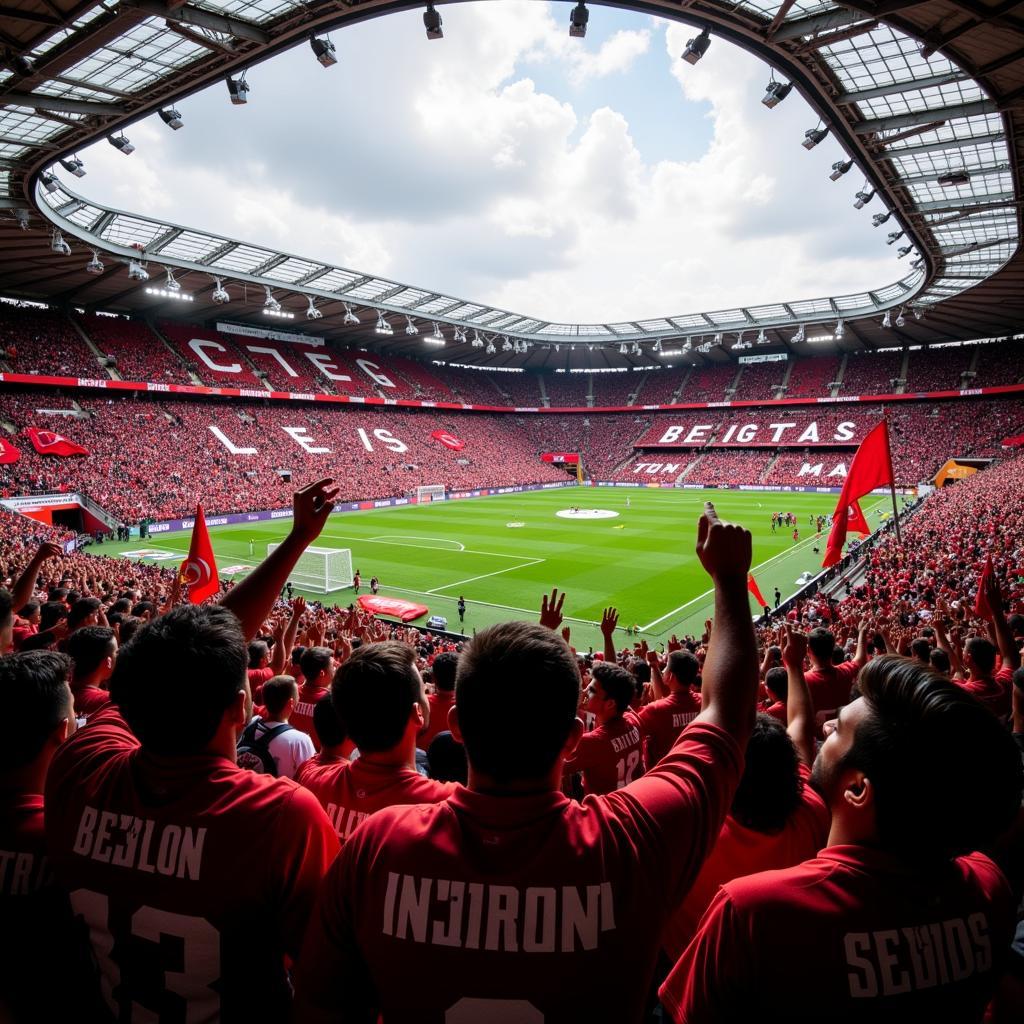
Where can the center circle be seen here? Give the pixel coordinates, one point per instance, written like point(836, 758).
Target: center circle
point(587, 513)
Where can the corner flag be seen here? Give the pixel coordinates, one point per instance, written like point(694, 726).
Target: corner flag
point(871, 468)
point(199, 571)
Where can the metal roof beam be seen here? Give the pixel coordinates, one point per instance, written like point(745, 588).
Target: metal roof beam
point(358, 283)
point(898, 88)
point(274, 261)
point(35, 17)
point(974, 172)
point(219, 253)
point(884, 124)
point(61, 104)
point(195, 16)
point(964, 204)
point(938, 147)
point(818, 23)
point(820, 42)
point(312, 275)
point(165, 239)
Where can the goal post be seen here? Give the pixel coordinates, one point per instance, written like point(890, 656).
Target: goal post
point(430, 492)
point(321, 570)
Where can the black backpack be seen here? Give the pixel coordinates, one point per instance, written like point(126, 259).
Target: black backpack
point(254, 746)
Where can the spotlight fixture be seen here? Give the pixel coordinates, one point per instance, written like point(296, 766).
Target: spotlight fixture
point(478, 342)
point(171, 285)
point(506, 346)
point(687, 345)
point(840, 330)
point(716, 340)
point(238, 89)
point(312, 313)
point(21, 218)
point(121, 142)
point(887, 319)
point(776, 93)
point(839, 168)
point(50, 183)
point(74, 166)
point(23, 64)
point(171, 118)
point(95, 265)
point(163, 293)
point(556, 346)
point(578, 18)
point(382, 326)
point(657, 346)
point(637, 350)
point(697, 47)
point(58, 245)
point(432, 23)
point(762, 338)
point(813, 136)
point(801, 334)
point(901, 320)
point(460, 335)
point(863, 198)
point(952, 179)
point(323, 50)
point(220, 294)
point(905, 251)
point(270, 302)
point(622, 348)
point(410, 327)
point(136, 271)
point(349, 317)
point(437, 335)
point(893, 236)
point(916, 310)
point(880, 218)
point(490, 350)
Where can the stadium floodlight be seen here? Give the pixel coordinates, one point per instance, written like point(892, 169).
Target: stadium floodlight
point(437, 335)
point(478, 342)
point(762, 338)
point(410, 327)
point(506, 346)
point(887, 319)
point(863, 198)
point(238, 89)
point(121, 143)
point(382, 327)
point(171, 118)
point(687, 345)
point(50, 183)
point(776, 93)
point(58, 245)
point(901, 320)
point(637, 350)
point(716, 340)
point(905, 251)
point(622, 348)
point(578, 18)
point(177, 296)
point(312, 313)
point(813, 136)
point(220, 294)
point(136, 271)
point(490, 350)
point(95, 265)
point(918, 264)
point(916, 310)
point(880, 218)
point(21, 218)
point(556, 346)
point(657, 346)
point(839, 168)
point(323, 49)
point(801, 334)
point(460, 335)
point(270, 302)
point(840, 330)
point(23, 64)
point(697, 46)
point(74, 166)
point(432, 23)
point(349, 317)
point(893, 236)
point(952, 179)
point(171, 285)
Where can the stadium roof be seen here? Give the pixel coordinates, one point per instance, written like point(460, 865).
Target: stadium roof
point(914, 92)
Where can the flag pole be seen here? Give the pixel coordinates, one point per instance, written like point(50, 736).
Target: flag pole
point(892, 487)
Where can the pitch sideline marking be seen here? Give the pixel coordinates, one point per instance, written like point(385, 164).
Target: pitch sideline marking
point(483, 576)
point(384, 540)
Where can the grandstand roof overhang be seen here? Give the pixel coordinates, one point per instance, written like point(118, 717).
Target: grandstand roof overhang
point(96, 67)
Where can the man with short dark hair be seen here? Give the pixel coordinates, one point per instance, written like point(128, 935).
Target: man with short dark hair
point(984, 683)
point(441, 700)
point(830, 684)
point(777, 684)
point(84, 612)
point(897, 919)
point(663, 720)
point(378, 695)
point(508, 900)
point(93, 650)
point(318, 668)
point(287, 746)
point(336, 745)
point(195, 877)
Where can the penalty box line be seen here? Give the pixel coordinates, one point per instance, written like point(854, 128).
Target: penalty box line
point(483, 576)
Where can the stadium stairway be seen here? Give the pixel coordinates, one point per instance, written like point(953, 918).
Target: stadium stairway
point(544, 400)
point(192, 375)
point(101, 357)
point(689, 469)
point(767, 469)
point(838, 382)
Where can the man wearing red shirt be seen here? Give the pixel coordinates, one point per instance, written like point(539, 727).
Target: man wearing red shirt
point(663, 720)
point(93, 650)
point(378, 695)
point(441, 700)
point(896, 920)
point(508, 901)
point(984, 683)
point(260, 669)
point(830, 684)
point(335, 749)
point(195, 877)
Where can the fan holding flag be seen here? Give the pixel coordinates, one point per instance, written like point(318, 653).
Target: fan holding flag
point(199, 571)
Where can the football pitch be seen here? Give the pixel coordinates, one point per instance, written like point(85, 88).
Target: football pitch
point(502, 553)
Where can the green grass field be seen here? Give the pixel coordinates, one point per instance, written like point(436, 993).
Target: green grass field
point(641, 561)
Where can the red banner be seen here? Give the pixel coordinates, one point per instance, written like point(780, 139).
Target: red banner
point(571, 458)
point(46, 442)
point(199, 570)
point(394, 607)
point(8, 453)
point(448, 440)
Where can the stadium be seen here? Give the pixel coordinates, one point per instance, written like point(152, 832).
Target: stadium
point(258, 501)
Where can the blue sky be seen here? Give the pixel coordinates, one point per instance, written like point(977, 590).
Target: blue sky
point(574, 180)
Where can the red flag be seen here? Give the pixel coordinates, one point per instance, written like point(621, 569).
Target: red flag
point(755, 590)
point(199, 570)
point(981, 606)
point(448, 440)
point(8, 453)
point(46, 442)
point(871, 468)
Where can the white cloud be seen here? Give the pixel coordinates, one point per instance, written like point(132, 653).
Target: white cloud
point(445, 166)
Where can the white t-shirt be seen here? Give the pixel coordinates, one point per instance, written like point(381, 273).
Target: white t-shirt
point(289, 749)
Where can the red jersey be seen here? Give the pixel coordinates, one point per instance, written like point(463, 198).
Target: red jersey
point(89, 699)
point(996, 693)
point(353, 790)
point(302, 716)
point(185, 860)
point(741, 851)
point(257, 677)
point(440, 704)
point(516, 908)
point(315, 767)
point(609, 756)
point(854, 934)
point(830, 687)
point(663, 720)
point(778, 710)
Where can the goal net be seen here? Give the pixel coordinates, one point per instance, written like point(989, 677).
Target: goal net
point(321, 570)
point(430, 492)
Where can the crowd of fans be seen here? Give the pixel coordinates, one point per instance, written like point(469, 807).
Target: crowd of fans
point(811, 378)
point(818, 813)
point(761, 381)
